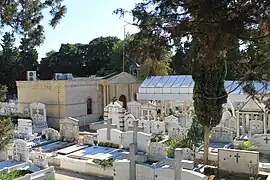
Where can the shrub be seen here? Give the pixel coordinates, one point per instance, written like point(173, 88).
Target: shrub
point(105, 163)
point(108, 144)
point(14, 174)
point(246, 145)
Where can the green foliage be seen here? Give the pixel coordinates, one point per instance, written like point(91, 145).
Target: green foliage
point(6, 125)
point(194, 136)
point(246, 145)
point(105, 163)
point(108, 144)
point(215, 27)
point(14, 174)
point(24, 17)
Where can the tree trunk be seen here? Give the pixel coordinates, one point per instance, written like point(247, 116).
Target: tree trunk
point(206, 144)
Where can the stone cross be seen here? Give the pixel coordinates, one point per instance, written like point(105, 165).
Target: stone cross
point(133, 152)
point(237, 158)
point(179, 155)
point(266, 140)
point(109, 126)
point(158, 126)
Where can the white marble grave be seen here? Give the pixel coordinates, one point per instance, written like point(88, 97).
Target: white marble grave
point(238, 161)
point(134, 107)
point(222, 134)
point(51, 134)
point(24, 127)
point(39, 116)
point(256, 127)
point(116, 112)
point(261, 142)
point(69, 129)
point(40, 159)
point(20, 151)
point(157, 151)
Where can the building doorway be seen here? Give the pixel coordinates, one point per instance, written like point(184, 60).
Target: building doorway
point(123, 99)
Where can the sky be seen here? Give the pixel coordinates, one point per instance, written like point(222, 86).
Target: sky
point(86, 20)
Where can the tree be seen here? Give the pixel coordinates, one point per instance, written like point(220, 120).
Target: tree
point(181, 63)
point(134, 52)
point(8, 61)
point(6, 126)
point(215, 27)
point(24, 17)
point(48, 65)
point(99, 54)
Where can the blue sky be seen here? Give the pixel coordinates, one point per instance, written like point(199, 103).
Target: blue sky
point(84, 21)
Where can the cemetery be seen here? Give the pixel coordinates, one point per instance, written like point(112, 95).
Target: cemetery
point(148, 139)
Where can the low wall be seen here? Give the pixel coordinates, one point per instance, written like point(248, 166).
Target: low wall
point(99, 125)
point(45, 174)
point(85, 167)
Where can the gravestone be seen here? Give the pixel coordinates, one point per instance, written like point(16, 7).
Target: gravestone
point(39, 116)
point(51, 134)
point(116, 136)
point(157, 151)
point(88, 140)
point(158, 127)
point(116, 112)
point(256, 127)
point(144, 140)
point(221, 134)
point(24, 127)
point(134, 108)
point(128, 121)
point(187, 154)
point(40, 159)
point(26, 112)
point(148, 111)
point(177, 132)
point(261, 142)
point(171, 122)
point(102, 135)
point(185, 121)
point(20, 150)
point(238, 161)
point(69, 129)
point(146, 125)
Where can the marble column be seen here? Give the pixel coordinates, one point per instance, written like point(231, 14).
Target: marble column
point(237, 124)
point(109, 126)
point(178, 163)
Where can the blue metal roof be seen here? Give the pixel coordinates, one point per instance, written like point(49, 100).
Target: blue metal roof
point(186, 81)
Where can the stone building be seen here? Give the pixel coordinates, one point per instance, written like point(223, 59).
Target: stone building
point(80, 98)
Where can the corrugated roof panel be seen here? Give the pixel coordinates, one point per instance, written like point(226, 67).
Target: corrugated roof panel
point(154, 81)
point(170, 81)
point(146, 81)
point(162, 81)
point(187, 81)
point(235, 88)
point(179, 81)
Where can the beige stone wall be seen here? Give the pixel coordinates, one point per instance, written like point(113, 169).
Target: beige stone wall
point(77, 93)
point(69, 98)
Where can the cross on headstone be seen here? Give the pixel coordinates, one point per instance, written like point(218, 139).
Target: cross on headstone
point(142, 124)
point(157, 138)
point(148, 116)
point(266, 140)
point(237, 157)
point(158, 126)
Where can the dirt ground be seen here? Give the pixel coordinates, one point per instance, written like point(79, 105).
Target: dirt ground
point(67, 175)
